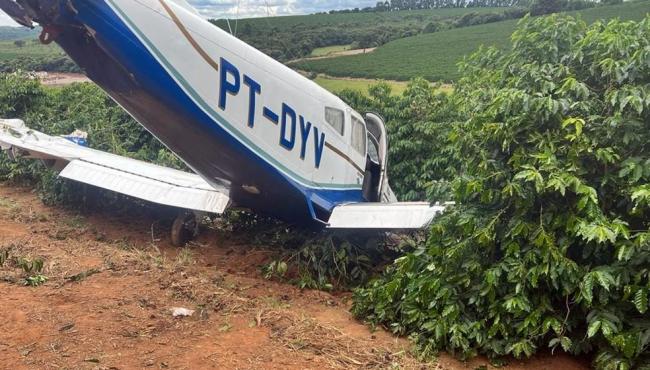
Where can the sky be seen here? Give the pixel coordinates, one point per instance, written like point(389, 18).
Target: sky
point(256, 8)
point(260, 8)
point(6, 21)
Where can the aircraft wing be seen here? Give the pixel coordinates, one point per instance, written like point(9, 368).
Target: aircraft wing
point(123, 175)
point(384, 216)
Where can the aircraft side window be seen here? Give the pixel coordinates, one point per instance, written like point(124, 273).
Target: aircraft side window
point(336, 118)
point(358, 136)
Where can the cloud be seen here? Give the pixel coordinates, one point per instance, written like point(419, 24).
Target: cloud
point(5, 20)
point(261, 8)
point(255, 8)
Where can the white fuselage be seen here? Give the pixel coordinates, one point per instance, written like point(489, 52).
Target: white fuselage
point(237, 83)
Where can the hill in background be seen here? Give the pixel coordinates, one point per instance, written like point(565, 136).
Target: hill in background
point(17, 33)
point(411, 43)
point(435, 55)
point(292, 37)
point(284, 38)
point(356, 20)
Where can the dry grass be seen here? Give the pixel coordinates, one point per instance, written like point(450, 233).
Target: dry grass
point(342, 351)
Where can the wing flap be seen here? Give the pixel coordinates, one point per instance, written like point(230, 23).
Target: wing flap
point(123, 175)
point(146, 188)
point(384, 216)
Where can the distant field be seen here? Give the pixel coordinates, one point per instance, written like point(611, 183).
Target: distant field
point(32, 48)
point(435, 55)
point(293, 37)
point(335, 85)
point(271, 34)
point(327, 50)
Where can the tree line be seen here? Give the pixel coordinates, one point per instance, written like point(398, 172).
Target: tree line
point(397, 5)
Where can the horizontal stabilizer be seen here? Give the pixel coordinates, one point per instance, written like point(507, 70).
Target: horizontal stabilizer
point(122, 175)
point(384, 216)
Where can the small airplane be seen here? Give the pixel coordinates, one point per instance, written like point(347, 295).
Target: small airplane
point(256, 133)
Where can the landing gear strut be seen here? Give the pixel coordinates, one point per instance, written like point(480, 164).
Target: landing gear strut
point(184, 228)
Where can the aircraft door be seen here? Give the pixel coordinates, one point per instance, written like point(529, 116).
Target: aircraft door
point(378, 158)
point(357, 142)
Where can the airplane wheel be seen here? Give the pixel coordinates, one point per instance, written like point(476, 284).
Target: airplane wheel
point(184, 229)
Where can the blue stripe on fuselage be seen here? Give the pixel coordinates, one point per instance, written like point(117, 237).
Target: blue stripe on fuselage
point(126, 48)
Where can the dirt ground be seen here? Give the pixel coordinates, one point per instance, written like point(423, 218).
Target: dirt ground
point(61, 79)
point(336, 54)
point(112, 282)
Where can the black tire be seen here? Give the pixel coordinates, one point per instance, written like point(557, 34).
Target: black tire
point(184, 229)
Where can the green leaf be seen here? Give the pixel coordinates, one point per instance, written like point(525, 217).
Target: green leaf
point(604, 278)
point(577, 124)
point(523, 348)
point(531, 175)
point(557, 184)
point(641, 195)
point(597, 232)
point(641, 300)
point(564, 342)
point(593, 328)
point(587, 288)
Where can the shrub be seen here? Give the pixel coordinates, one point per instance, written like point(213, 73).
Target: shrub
point(417, 129)
point(541, 7)
point(62, 110)
point(549, 244)
point(18, 94)
point(431, 27)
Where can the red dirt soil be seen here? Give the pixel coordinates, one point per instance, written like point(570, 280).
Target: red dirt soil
point(107, 301)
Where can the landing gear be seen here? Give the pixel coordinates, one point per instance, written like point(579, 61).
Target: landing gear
point(184, 228)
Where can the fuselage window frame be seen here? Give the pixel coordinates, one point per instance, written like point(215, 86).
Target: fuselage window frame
point(335, 118)
point(358, 137)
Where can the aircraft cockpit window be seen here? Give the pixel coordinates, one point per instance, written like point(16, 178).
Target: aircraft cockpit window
point(358, 136)
point(335, 118)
